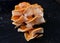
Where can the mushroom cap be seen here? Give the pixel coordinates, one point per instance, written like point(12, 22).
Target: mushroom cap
point(33, 33)
point(25, 28)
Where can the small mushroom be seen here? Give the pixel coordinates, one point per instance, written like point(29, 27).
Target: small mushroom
point(25, 28)
point(33, 33)
point(24, 4)
point(14, 18)
point(37, 12)
point(16, 13)
point(16, 24)
point(20, 20)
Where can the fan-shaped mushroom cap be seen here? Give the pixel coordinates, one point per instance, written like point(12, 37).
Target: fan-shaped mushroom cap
point(25, 28)
point(33, 33)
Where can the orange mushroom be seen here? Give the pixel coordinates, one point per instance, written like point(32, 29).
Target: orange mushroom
point(33, 33)
point(23, 29)
point(25, 16)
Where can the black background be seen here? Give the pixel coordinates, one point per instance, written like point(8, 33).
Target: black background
point(52, 26)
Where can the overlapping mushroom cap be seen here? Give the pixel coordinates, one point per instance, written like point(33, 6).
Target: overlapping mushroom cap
point(25, 16)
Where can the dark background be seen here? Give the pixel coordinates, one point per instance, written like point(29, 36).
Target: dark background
point(52, 26)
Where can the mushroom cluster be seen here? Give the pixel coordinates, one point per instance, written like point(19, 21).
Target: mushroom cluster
point(25, 16)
